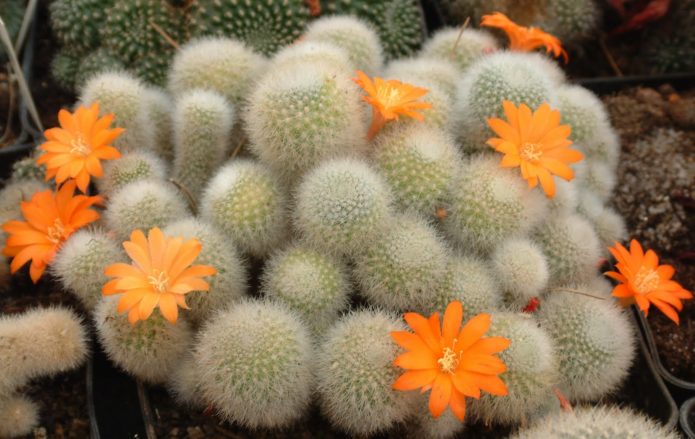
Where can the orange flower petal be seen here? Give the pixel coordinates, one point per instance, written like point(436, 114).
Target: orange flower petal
point(414, 379)
point(440, 396)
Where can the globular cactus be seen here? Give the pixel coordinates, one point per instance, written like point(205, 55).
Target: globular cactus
point(439, 115)
point(122, 94)
point(496, 78)
point(95, 62)
point(76, 23)
point(469, 280)
point(566, 197)
point(306, 52)
point(521, 270)
point(550, 66)
point(184, 385)
point(203, 121)
point(532, 371)
point(246, 202)
point(18, 416)
point(143, 204)
point(460, 48)
point(158, 105)
point(599, 422)
point(441, 72)
point(605, 147)
point(399, 268)
point(223, 65)
point(593, 339)
point(313, 284)
point(264, 26)
point(26, 170)
point(582, 111)
point(598, 177)
point(489, 205)
point(609, 225)
point(570, 246)
point(229, 284)
point(64, 68)
point(570, 20)
point(255, 365)
point(39, 342)
point(341, 206)
point(149, 350)
point(355, 374)
point(303, 114)
point(80, 263)
point(355, 36)
point(130, 167)
point(418, 163)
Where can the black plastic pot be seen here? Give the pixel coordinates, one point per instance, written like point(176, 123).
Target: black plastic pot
point(687, 418)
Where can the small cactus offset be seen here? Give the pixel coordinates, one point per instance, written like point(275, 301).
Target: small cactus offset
point(158, 105)
point(462, 49)
point(18, 416)
point(441, 72)
point(129, 168)
point(521, 270)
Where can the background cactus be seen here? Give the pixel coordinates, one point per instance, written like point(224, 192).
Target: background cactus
point(462, 51)
point(254, 364)
point(64, 67)
point(129, 168)
point(355, 372)
point(93, 63)
point(75, 23)
point(158, 105)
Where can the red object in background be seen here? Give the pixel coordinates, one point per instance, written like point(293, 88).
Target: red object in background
point(532, 305)
point(314, 7)
point(639, 15)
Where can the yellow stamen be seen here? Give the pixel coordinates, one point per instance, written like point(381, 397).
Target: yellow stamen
point(159, 280)
point(79, 146)
point(646, 280)
point(449, 361)
point(530, 152)
point(56, 233)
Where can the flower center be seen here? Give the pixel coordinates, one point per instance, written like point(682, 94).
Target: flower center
point(79, 146)
point(449, 361)
point(389, 96)
point(646, 280)
point(159, 280)
point(530, 152)
point(56, 233)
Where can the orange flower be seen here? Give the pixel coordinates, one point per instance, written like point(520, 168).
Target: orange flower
point(645, 282)
point(161, 274)
point(524, 39)
point(75, 149)
point(535, 142)
point(454, 362)
point(390, 99)
point(50, 219)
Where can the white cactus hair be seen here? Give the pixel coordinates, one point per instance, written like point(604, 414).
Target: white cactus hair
point(131, 166)
point(18, 415)
point(312, 51)
point(470, 45)
point(598, 177)
point(441, 72)
point(184, 383)
point(521, 269)
point(583, 111)
point(158, 104)
point(609, 225)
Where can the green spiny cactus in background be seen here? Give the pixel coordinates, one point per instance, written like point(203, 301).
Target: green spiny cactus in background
point(400, 24)
point(130, 167)
point(441, 72)
point(129, 33)
point(341, 206)
point(255, 364)
point(489, 205)
point(246, 202)
point(609, 225)
point(223, 65)
point(122, 94)
point(228, 285)
point(158, 105)
point(531, 371)
point(418, 163)
point(460, 48)
point(469, 280)
point(494, 79)
point(39, 342)
point(18, 415)
point(266, 26)
point(570, 246)
point(80, 263)
point(149, 349)
point(599, 422)
point(570, 20)
point(582, 111)
point(27, 169)
point(306, 52)
point(303, 114)
point(77, 23)
point(671, 53)
point(521, 270)
point(143, 204)
point(596, 176)
point(313, 284)
point(64, 67)
point(203, 121)
point(593, 340)
point(93, 63)
point(355, 374)
point(352, 34)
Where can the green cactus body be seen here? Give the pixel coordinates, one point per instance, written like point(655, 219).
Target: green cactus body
point(469, 280)
point(460, 48)
point(418, 163)
point(266, 26)
point(255, 365)
point(158, 105)
point(400, 267)
point(303, 114)
point(93, 63)
point(352, 34)
point(223, 65)
point(570, 20)
point(64, 68)
point(600, 422)
point(144, 204)
point(593, 341)
point(18, 414)
point(149, 350)
point(77, 23)
point(440, 72)
point(202, 123)
point(531, 371)
point(27, 169)
point(80, 264)
point(400, 24)
point(522, 271)
point(245, 201)
point(130, 167)
point(341, 206)
point(314, 285)
point(228, 285)
point(489, 205)
point(570, 246)
point(355, 374)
